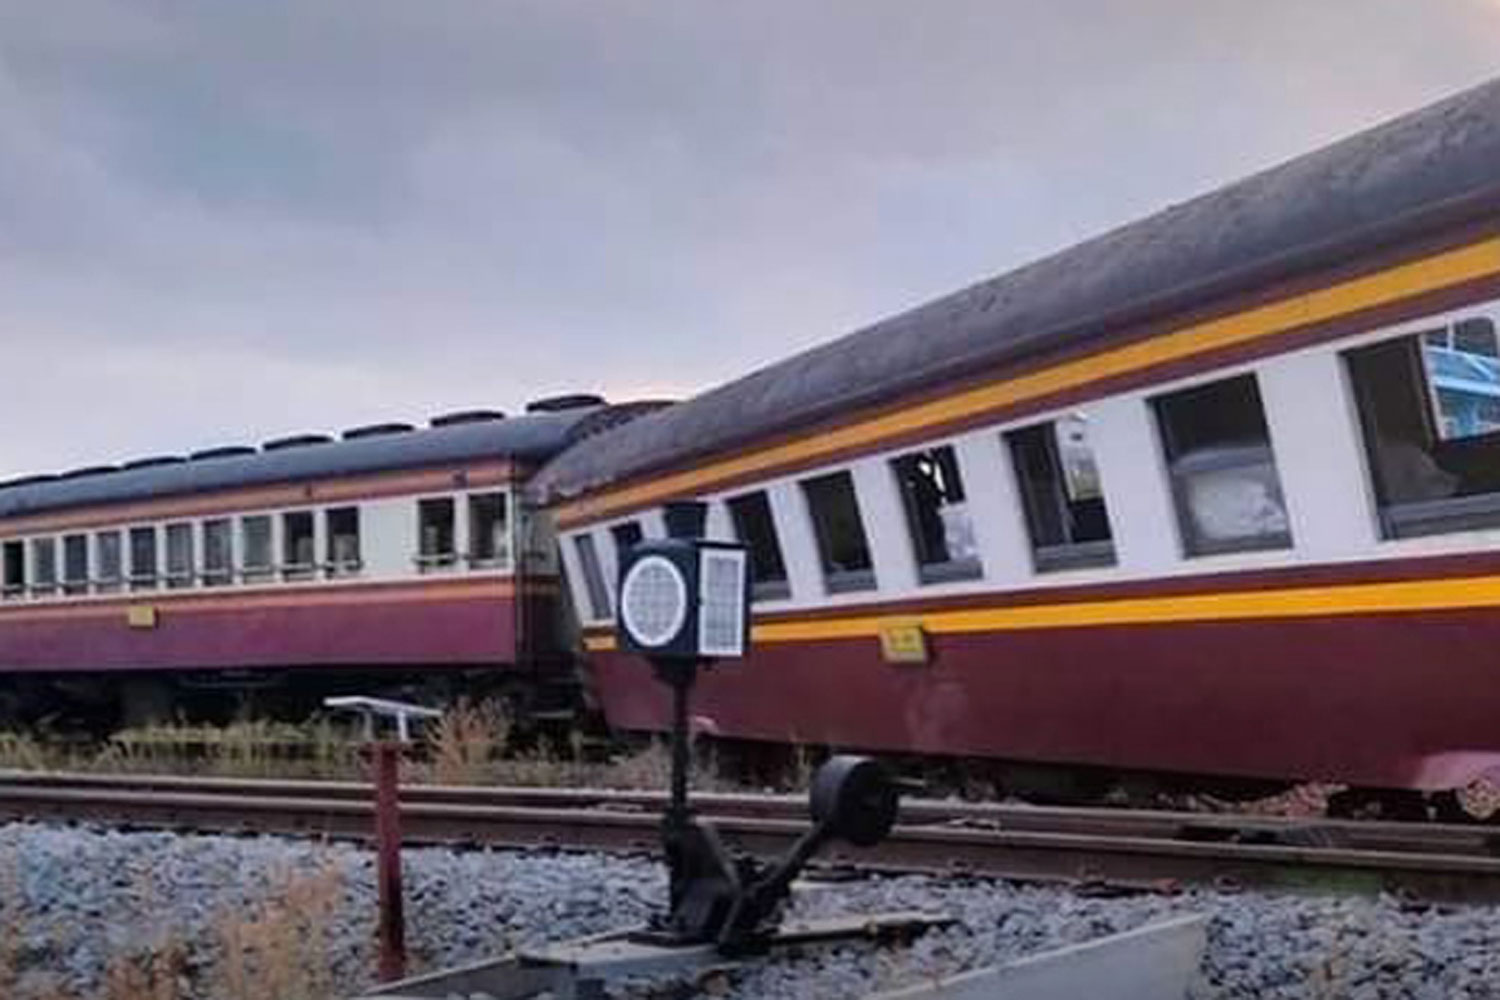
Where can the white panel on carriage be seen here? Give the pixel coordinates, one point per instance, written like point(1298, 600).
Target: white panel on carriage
point(389, 537)
point(879, 502)
point(1133, 471)
point(653, 522)
point(717, 526)
point(1315, 437)
point(798, 545)
point(999, 535)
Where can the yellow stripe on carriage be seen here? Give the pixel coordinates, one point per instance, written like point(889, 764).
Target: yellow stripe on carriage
point(1406, 596)
point(1404, 281)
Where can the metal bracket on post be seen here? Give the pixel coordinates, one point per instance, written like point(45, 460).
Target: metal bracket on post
point(385, 770)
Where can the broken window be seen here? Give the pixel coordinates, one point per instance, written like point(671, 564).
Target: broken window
point(180, 562)
point(937, 516)
point(14, 584)
point(842, 548)
point(255, 538)
point(299, 554)
point(76, 564)
point(755, 526)
point(142, 558)
point(489, 539)
point(1223, 473)
point(1060, 495)
point(218, 553)
point(1429, 407)
point(342, 524)
point(435, 540)
point(107, 561)
point(593, 576)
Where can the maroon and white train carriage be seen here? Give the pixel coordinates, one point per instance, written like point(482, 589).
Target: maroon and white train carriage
point(394, 555)
point(1217, 492)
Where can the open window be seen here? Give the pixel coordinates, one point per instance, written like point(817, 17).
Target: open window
point(937, 515)
point(436, 544)
point(593, 577)
point(218, 553)
point(13, 586)
point(1429, 407)
point(1061, 496)
point(1223, 473)
point(142, 558)
point(299, 553)
point(626, 535)
point(489, 531)
point(755, 526)
point(342, 529)
point(75, 564)
point(180, 563)
point(842, 547)
point(255, 539)
point(108, 562)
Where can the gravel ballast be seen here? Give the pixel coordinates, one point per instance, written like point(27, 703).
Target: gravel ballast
point(75, 901)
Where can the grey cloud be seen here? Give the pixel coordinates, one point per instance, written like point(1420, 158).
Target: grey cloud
point(233, 220)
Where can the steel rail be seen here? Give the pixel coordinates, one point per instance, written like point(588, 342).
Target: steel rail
point(1103, 847)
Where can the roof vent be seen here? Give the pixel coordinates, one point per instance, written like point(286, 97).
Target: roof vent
point(466, 417)
point(152, 461)
point(295, 441)
point(557, 404)
point(45, 477)
point(375, 430)
point(89, 470)
point(223, 451)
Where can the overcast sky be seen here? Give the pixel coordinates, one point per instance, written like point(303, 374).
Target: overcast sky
point(221, 222)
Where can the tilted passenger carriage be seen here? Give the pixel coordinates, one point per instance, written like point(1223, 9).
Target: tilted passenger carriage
point(394, 555)
point(1217, 492)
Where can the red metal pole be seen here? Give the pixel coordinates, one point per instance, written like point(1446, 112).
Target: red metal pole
point(392, 928)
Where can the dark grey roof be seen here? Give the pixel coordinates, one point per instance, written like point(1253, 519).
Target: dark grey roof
point(532, 438)
point(1416, 175)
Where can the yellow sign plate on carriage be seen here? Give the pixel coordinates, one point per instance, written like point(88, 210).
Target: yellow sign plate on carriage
point(140, 616)
point(903, 642)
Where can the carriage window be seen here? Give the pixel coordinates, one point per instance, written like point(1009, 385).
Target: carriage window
point(626, 536)
point(593, 576)
point(218, 553)
point(107, 561)
point(842, 548)
point(142, 558)
point(342, 527)
point(179, 556)
point(255, 536)
point(932, 491)
point(435, 537)
point(76, 564)
point(43, 565)
point(1429, 406)
point(1061, 495)
point(489, 543)
point(299, 554)
point(754, 525)
point(15, 570)
point(1224, 478)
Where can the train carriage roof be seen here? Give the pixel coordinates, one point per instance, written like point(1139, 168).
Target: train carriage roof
point(530, 438)
point(1414, 176)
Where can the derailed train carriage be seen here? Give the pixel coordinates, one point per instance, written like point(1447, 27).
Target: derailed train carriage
point(1217, 492)
point(395, 558)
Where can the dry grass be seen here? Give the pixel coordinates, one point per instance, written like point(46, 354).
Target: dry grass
point(464, 745)
point(471, 744)
point(279, 948)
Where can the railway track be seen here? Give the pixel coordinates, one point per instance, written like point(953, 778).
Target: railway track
point(1096, 848)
